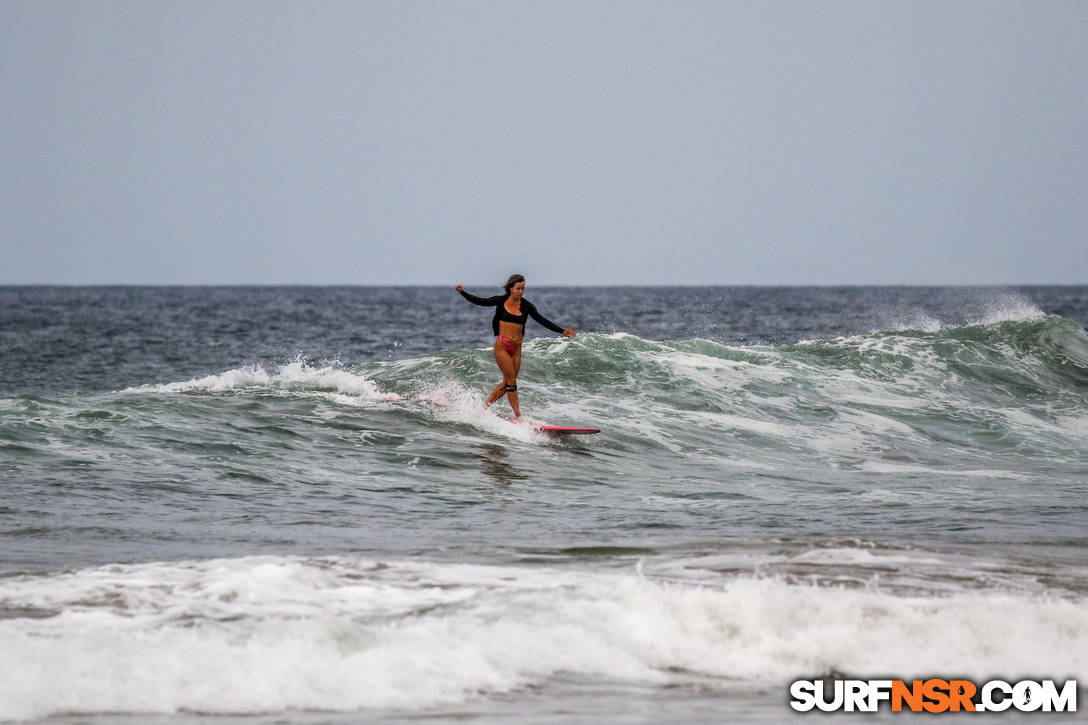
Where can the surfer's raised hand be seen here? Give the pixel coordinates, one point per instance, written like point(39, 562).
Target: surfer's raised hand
point(569, 332)
point(458, 287)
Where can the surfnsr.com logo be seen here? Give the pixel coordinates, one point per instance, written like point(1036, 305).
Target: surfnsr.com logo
point(933, 695)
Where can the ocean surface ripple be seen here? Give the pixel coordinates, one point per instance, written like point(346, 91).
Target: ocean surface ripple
point(290, 502)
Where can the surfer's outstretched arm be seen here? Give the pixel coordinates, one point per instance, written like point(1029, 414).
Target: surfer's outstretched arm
point(535, 314)
point(481, 301)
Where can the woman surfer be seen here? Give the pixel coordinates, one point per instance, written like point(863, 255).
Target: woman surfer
point(511, 312)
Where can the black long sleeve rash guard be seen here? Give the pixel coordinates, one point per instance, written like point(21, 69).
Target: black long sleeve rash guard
point(528, 309)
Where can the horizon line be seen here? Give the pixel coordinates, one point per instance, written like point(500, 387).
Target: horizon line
point(614, 285)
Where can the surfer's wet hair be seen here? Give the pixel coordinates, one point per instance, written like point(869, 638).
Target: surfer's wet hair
point(514, 279)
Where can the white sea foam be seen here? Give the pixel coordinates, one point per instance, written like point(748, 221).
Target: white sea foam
point(296, 376)
point(1009, 307)
point(856, 556)
point(245, 377)
point(269, 634)
point(869, 566)
point(733, 423)
point(452, 403)
point(721, 372)
point(998, 307)
point(902, 468)
point(913, 320)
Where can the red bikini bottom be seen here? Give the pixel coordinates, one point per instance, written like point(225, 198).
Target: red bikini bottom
point(510, 345)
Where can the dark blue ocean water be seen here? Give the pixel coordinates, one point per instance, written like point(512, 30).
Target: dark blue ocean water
point(289, 504)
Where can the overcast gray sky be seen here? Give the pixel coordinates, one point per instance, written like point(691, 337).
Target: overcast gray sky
point(406, 142)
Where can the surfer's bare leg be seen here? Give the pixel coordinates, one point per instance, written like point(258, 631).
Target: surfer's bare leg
point(502, 358)
point(495, 394)
point(509, 370)
point(512, 395)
